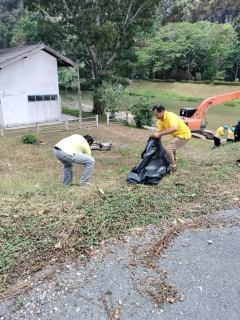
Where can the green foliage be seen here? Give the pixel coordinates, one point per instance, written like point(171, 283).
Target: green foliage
point(30, 138)
point(122, 170)
point(142, 113)
point(112, 96)
point(232, 61)
point(17, 26)
point(201, 46)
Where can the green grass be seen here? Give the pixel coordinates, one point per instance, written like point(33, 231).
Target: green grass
point(42, 222)
point(177, 90)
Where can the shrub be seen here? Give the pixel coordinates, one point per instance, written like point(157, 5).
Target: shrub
point(142, 113)
point(30, 138)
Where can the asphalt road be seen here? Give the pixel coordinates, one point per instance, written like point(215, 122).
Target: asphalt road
point(202, 265)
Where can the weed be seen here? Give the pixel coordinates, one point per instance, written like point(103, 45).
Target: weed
point(122, 170)
point(18, 306)
point(30, 138)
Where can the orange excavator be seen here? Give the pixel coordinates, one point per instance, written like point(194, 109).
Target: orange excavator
point(193, 117)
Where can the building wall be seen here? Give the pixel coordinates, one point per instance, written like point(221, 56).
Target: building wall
point(30, 76)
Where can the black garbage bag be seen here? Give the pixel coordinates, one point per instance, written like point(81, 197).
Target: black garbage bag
point(154, 165)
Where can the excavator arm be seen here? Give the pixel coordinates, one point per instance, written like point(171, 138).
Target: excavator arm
point(209, 102)
point(194, 119)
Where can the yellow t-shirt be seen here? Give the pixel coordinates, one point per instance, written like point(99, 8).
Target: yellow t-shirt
point(74, 143)
point(170, 120)
point(230, 134)
point(220, 132)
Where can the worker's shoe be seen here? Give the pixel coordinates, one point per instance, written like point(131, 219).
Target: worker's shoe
point(86, 184)
point(174, 171)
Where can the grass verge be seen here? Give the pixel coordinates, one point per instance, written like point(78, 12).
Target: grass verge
point(43, 222)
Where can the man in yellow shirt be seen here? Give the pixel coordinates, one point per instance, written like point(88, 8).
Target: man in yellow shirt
point(230, 137)
point(75, 149)
point(220, 132)
point(170, 123)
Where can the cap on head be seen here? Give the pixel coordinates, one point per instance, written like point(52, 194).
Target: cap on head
point(225, 127)
point(233, 129)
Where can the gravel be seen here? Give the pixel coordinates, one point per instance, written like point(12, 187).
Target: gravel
point(198, 273)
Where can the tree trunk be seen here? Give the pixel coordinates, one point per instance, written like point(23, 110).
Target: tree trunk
point(97, 106)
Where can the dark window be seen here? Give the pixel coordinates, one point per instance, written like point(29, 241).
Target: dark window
point(31, 98)
point(39, 98)
point(42, 98)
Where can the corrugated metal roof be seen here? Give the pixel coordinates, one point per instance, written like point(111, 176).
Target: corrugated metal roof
point(10, 55)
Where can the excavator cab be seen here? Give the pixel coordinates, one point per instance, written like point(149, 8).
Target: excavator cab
point(187, 112)
point(195, 125)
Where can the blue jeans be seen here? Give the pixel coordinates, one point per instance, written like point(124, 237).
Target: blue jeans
point(78, 158)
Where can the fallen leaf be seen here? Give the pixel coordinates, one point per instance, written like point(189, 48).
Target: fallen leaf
point(172, 300)
point(101, 191)
point(119, 259)
point(58, 209)
point(58, 245)
point(235, 199)
point(40, 212)
point(116, 312)
point(141, 199)
point(179, 184)
point(102, 242)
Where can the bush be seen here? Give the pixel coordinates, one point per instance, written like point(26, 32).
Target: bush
point(30, 138)
point(142, 113)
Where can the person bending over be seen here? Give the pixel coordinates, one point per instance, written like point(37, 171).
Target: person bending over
point(75, 149)
point(219, 133)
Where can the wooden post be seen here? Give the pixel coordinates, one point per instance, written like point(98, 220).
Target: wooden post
point(2, 133)
point(37, 128)
point(66, 124)
point(79, 96)
point(108, 113)
point(96, 120)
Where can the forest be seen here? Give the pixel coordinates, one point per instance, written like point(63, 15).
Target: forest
point(169, 40)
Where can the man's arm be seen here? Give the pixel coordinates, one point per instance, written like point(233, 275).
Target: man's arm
point(165, 132)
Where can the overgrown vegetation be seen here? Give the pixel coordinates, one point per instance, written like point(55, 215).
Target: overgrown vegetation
point(142, 113)
point(43, 222)
point(30, 138)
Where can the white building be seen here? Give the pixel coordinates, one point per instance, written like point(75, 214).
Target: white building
point(29, 90)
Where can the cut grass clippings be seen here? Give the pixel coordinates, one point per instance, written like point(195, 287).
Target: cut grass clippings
point(42, 222)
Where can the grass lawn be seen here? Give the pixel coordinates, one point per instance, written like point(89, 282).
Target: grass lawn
point(179, 90)
point(42, 222)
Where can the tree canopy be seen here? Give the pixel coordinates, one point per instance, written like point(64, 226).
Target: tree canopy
point(193, 47)
point(100, 30)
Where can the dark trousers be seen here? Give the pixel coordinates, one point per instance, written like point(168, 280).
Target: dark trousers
point(217, 141)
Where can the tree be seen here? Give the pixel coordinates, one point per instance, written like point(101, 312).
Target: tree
point(112, 96)
point(142, 113)
point(192, 47)
point(102, 29)
point(232, 60)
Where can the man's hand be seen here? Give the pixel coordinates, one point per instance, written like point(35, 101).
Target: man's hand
point(159, 134)
point(156, 135)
